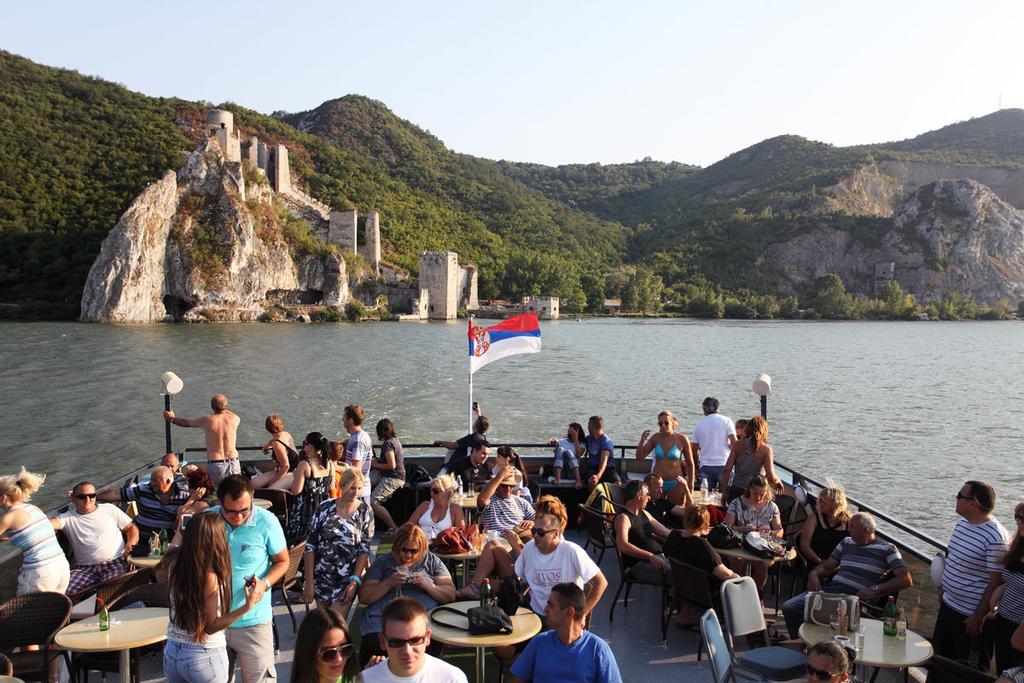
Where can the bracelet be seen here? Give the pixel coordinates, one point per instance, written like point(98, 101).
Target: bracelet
point(359, 582)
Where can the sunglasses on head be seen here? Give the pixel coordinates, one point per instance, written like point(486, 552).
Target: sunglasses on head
point(333, 654)
point(541, 533)
point(820, 674)
point(397, 643)
point(85, 496)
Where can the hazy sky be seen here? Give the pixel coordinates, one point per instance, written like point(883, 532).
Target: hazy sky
point(562, 81)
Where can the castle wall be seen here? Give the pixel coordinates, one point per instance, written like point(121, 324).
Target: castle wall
point(439, 275)
point(251, 151)
point(281, 176)
point(468, 297)
point(546, 307)
point(263, 158)
point(341, 229)
point(371, 240)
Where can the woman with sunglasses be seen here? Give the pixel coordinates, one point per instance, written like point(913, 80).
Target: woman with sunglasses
point(827, 661)
point(338, 546)
point(409, 570)
point(673, 457)
point(200, 587)
point(438, 513)
point(311, 485)
point(324, 652)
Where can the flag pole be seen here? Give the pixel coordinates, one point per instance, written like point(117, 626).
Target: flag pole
point(469, 362)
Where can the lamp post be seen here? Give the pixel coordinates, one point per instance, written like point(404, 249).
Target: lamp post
point(172, 385)
point(763, 388)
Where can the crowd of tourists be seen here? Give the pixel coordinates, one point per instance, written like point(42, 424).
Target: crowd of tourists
point(227, 552)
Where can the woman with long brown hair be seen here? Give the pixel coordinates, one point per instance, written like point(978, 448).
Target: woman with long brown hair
point(324, 652)
point(200, 588)
point(748, 458)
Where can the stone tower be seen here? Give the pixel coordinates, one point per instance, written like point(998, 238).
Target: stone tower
point(281, 178)
point(221, 125)
point(439, 275)
point(370, 248)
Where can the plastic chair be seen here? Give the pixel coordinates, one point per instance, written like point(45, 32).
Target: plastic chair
point(599, 534)
point(33, 619)
point(290, 578)
point(723, 670)
point(692, 585)
point(743, 616)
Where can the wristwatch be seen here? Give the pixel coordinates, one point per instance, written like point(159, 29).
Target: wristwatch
point(874, 589)
point(267, 584)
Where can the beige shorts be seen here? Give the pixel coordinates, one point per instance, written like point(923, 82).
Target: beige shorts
point(52, 577)
point(252, 647)
point(385, 488)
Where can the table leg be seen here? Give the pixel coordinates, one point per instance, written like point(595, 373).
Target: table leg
point(481, 655)
point(124, 656)
point(465, 573)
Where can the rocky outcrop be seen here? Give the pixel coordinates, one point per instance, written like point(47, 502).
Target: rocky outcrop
point(200, 245)
point(950, 235)
point(878, 189)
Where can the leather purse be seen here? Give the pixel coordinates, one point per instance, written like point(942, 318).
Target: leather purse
point(483, 621)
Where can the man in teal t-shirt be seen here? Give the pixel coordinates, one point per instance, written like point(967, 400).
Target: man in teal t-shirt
point(258, 553)
point(566, 652)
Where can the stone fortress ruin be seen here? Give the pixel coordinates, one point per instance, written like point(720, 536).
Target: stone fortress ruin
point(444, 286)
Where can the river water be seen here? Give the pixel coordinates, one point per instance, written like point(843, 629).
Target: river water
point(900, 413)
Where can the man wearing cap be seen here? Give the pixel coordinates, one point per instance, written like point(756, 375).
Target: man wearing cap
point(220, 429)
point(712, 438)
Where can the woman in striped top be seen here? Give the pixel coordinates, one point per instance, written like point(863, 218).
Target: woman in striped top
point(1008, 594)
point(43, 567)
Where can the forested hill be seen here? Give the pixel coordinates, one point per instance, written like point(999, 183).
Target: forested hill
point(75, 151)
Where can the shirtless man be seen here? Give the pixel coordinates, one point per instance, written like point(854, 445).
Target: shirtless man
point(220, 429)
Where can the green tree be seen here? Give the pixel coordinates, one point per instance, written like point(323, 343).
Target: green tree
point(830, 299)
point(642, 292)
point(593, 289)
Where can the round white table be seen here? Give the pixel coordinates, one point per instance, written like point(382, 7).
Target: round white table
point(146, 560)
point(880, 651)
point(129, 628)
point(525, 625)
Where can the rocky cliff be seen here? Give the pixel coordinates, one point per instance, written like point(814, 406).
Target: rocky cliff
point(949, 235)
point(203, 244)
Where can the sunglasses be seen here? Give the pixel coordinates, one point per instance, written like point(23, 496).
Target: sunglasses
point(236, 513)
point(408, 551)
point(541, 533)
point(820, 674)
point(85, 496)
point(506, 486)
point(333, 654)
point(436, 492)
point(1018, 518)
point(960, 496)
point(398, 643)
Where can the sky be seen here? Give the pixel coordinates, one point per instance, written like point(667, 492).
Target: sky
point(558, 82)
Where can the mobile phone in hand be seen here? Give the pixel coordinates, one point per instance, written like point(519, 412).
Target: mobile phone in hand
point(185, 519)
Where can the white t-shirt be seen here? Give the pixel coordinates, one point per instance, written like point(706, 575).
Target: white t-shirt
point(568, 563)
point(433, 671)
point(712, 433)
point(95, 537)
point(359, 453)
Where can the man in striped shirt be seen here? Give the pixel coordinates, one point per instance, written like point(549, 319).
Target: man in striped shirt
point(861, 561)
point(159, 501)
point(972, 560)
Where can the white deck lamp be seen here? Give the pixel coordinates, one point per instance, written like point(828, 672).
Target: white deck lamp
point(172, 386)
point(763, 388)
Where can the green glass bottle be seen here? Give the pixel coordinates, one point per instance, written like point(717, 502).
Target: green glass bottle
point(104, 615)
point(889, 617)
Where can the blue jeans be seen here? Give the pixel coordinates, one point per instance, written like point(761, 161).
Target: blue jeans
point(194, 663)
point(712, 474)
point(793, 609)
point(564, 457)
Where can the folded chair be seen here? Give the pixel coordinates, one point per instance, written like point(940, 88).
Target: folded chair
point(743, 616)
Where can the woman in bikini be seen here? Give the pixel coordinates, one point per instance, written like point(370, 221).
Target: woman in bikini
point(673, 457)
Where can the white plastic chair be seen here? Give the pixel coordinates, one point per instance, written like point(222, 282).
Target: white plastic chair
point(743, 616)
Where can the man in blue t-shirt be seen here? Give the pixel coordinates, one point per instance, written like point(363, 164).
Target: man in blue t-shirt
point(599, 466)
point(258, 554)
point(566, 652)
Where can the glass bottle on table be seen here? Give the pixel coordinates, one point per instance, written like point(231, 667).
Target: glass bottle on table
point(485, 593)
point(901, 625)
point(104, 615)
point(889, 617)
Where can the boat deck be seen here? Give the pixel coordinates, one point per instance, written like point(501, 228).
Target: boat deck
point(634, 636)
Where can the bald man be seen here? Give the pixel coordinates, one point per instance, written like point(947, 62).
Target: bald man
point(159, 500)
point(221, 428)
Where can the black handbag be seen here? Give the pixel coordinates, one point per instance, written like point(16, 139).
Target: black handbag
point(510, 595)
point(483, 621)
point(724, 537)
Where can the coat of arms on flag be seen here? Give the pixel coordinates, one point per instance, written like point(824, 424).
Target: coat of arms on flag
point(519, 334)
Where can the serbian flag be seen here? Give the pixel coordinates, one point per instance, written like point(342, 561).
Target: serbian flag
point(520, 334)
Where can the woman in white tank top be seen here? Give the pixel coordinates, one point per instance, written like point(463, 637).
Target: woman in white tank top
point(438, 513)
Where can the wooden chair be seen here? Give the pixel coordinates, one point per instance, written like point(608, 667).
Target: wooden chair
point(599, 534)
point(278, 503)
point(290, 578)
point(693, 585)
point(33, 619)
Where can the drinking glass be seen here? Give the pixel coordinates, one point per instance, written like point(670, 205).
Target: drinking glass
point(858, 640)
point(833, 625)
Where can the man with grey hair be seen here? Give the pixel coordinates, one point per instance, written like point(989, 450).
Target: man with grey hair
point(855, 567)
point(220, 428)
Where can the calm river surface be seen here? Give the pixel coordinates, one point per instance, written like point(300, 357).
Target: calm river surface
point(901, 413)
